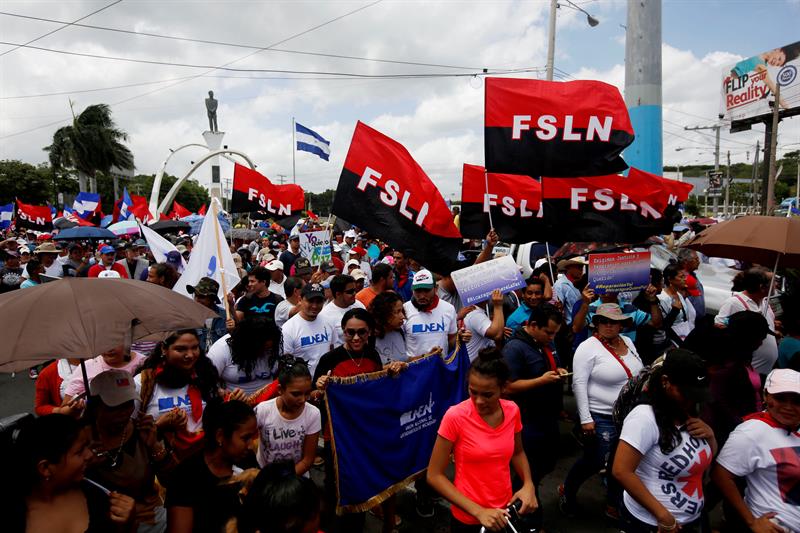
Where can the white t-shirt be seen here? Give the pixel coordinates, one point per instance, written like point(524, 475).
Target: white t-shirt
point(769, 459)
point(599, 377)
point(282, 312)
point(277, 288)
point(333, 314)
point(281, 439)
point(674, 479)
point(765, 356)
point(309, 340)
point(478, 322)
point(164, 400)
point(232, 375)
point(391, 347)
point(428, 330)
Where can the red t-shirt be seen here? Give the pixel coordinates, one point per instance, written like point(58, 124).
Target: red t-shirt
point(95, 270)
point(482, 455)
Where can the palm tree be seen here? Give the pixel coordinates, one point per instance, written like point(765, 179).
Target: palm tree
point(91, 144)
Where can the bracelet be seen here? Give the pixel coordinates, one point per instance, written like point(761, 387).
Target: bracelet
point(673, 527)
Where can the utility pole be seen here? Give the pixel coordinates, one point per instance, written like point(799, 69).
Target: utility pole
point(769, 206)
point(727, 187)
point(755, 177)
point(280, 177)
point(716, 129)
point(551, 40)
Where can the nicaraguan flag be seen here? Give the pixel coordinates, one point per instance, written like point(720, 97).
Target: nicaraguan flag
point(311, 141)
point(125, 206)
point(6, 213)
point(85, 204)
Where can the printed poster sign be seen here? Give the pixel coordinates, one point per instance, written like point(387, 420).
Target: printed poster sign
point(748, 87)
point(316, 246)
point(476, 283)
point(619, 272)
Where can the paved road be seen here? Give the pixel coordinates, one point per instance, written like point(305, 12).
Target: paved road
point(16, 396)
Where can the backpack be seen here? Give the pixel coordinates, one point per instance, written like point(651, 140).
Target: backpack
point(633, 393)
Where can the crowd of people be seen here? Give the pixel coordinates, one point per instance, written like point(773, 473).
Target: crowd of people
point(218, 428)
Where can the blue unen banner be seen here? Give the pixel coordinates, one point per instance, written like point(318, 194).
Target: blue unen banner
point(384, 427)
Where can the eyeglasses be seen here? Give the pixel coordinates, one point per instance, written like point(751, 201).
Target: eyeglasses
point(363, 332)
point(350, 291)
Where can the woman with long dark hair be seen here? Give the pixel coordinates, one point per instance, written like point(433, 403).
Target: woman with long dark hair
point(389, 339)
point(247, 358)
point(204, 492)
point(175, 386)
point(664, 449)
point(45, 487)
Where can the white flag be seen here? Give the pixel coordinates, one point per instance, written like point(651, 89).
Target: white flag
point(159, 246)
point(211, 257)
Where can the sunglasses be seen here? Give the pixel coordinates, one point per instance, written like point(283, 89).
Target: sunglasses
point(363, 332)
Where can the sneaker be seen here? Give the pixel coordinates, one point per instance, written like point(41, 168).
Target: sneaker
point(564, 505)
point(424, 507)
point(33, 373)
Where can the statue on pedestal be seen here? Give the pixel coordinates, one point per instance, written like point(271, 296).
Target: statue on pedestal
point(211, 107)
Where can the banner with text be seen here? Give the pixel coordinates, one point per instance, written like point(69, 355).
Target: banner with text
point(385, 443)
point(315, 246)
point(619, 272)
point(476, 283)
point(253, 192)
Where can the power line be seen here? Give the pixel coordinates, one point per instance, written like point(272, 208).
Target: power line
point(65, 25)
point(240, 45)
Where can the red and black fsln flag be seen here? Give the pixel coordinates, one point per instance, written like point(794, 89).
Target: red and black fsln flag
point(385, 192)
point(544, 128)
point(35, 217)
point(513, 201)
point(254, 193)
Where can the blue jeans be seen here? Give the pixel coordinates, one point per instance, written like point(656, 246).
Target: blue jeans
point(596, 450)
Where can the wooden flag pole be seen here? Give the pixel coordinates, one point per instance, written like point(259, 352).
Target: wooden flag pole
point(217, 230)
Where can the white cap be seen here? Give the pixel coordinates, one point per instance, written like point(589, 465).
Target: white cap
point(539, 262)
point(352, 262)
point(423, 280)
point(337, 247)
point(358, 274)
point(783, 380)
point(351, 233)
point(274, 265)
point(108, 274)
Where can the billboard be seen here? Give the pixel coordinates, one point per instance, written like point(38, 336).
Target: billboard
point(748, 86)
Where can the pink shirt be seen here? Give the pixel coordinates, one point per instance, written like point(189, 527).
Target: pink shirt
point(482, 455)
point(96, 366)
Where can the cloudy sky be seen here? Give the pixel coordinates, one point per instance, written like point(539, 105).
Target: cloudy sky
point(435, 108)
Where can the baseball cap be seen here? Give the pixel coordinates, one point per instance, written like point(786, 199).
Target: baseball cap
point(352, 262)
point(688, 371)
point(141, 243)
point(422, 280)
point(330, 267)
point(294, 237)
point(783, 380)
point(313, 290)
point(107, 249)
point(274, 265)
point(351, 233)
point(302, 266)
point(108, 274)
point(114, 387)
point(205, 287)
point(358, 274)
point(12, 253)
point(337, 247)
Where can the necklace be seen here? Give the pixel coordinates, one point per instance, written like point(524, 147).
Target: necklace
point(360, 358)
point(116, 456)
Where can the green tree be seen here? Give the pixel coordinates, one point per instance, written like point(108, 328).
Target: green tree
point(191, 195)
point(320, 203)
point(91, 144)
point(32, 184)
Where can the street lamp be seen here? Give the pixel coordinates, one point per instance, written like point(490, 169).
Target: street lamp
point(551, 42)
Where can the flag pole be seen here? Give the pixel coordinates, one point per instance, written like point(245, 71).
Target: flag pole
point(485, 203)
point(294, 149)
point(217, 229)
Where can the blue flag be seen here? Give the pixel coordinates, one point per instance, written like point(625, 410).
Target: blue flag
point(125, 205)
point(6, 214)
point(311, 141)
point(85, 204)
point(387, 440)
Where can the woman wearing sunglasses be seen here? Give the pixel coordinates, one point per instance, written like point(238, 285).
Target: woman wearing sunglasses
point(356, 356)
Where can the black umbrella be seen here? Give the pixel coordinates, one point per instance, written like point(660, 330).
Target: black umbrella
point(79, 233)
point(166, 226)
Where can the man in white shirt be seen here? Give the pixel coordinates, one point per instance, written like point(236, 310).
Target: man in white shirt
point(343, 290)
point(277, 278)
point(291, 305)
point(305, 335)
point(430, 322)
point(755, 283)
